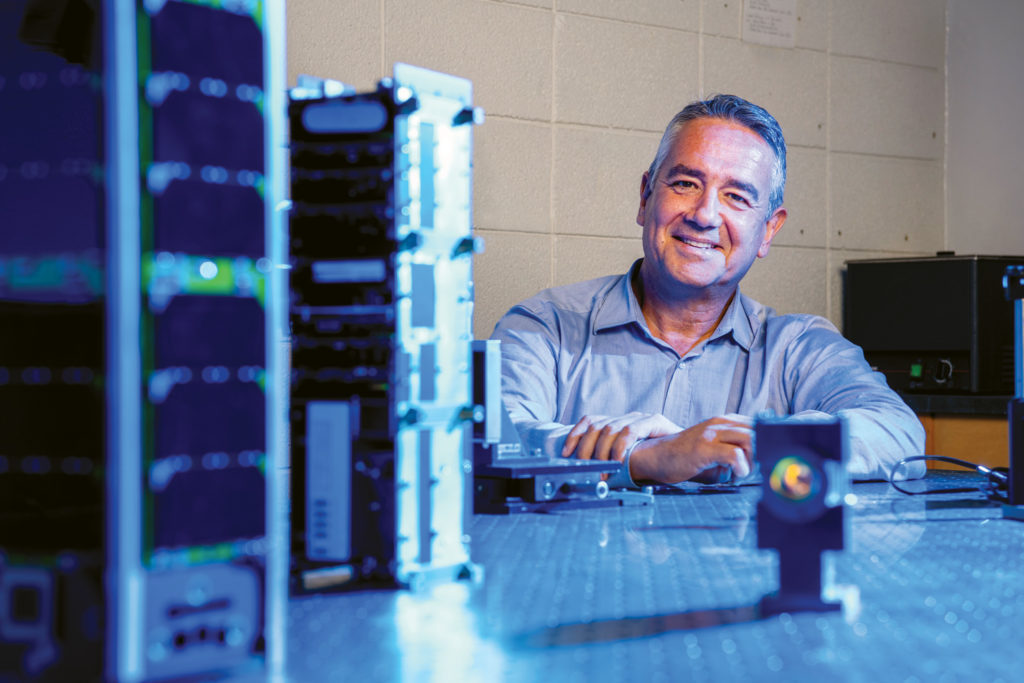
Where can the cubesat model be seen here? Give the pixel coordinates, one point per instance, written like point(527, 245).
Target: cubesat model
point(140, 314)
point(381, 315)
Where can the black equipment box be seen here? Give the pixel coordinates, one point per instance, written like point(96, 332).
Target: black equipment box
point(935, 324)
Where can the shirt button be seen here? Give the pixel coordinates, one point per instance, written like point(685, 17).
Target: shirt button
point(681, 364)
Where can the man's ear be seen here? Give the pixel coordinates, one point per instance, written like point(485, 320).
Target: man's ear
point(771, 228)
point(645, 192)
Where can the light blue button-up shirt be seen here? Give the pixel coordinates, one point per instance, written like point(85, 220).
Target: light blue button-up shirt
point(585, 349)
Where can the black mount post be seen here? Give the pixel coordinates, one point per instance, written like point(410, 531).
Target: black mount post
point(1013, 287)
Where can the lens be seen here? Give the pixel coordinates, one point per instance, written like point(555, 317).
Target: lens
point(794, 479)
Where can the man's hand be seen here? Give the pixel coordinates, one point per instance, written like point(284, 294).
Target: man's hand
point(702, 452)
point(605, 438)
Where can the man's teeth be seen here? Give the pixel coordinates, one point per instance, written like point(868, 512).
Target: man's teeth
point(699, 245)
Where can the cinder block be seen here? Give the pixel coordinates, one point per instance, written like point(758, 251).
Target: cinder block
point(885, 108)
point(504, 49)
point(583, 258)
point(512, 175)
point(597, 180)
point(806, 192)
point(681, 14)
point(724, 18)
point(982, 220)
point(335, 40)
point(886, 204)
point(984, 134)
point(609, 73)
point(790, 280)
point(788, 83)
point(909, 31)
point(513, 267)
point(812, 24)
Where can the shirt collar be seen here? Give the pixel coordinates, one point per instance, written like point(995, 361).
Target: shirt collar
point(736, 322)
point(620, 307)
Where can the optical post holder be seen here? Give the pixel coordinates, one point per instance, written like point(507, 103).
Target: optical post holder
point(1013, 288)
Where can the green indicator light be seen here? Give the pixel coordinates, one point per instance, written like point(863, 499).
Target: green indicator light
point(215, 276)
point(916, 370)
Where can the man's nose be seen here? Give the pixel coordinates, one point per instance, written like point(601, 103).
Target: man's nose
point(706, 213)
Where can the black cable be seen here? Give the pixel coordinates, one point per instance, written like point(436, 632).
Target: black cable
point(997, 481)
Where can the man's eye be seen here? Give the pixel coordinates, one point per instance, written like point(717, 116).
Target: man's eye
point(738, 198)
point(683, 184)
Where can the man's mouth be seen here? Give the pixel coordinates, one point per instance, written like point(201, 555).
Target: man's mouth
point(695, 243)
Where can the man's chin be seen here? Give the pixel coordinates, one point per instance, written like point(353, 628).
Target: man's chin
point(700, 283)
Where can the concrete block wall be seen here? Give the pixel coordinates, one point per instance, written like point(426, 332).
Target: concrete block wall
point(985, 143)
point(577, 93)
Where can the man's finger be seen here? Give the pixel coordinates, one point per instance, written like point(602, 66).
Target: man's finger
point(731, 457)
point(724, 463)
point(607, 438)
point(584, 449)
point(573, 437)
point(737, 436)
point(623, 441)
point(741, 464)
point(582, 426)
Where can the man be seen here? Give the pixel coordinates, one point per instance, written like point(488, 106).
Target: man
point(663, 368)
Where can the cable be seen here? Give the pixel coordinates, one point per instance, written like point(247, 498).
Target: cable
point(995, 488)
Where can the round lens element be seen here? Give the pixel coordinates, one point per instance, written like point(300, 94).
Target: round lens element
point(794, 479)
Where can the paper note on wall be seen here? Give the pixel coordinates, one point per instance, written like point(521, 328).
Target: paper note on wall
point(770, 22)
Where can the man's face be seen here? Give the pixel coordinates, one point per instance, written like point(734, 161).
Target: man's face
point(705, 217)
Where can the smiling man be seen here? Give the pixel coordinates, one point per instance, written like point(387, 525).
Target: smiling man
point(664, 367)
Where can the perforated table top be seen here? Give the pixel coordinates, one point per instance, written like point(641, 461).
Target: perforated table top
point(669, 592)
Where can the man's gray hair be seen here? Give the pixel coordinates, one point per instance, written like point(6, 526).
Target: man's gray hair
point(738, 110)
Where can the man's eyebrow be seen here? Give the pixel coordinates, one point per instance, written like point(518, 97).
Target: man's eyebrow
point(683, 169)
